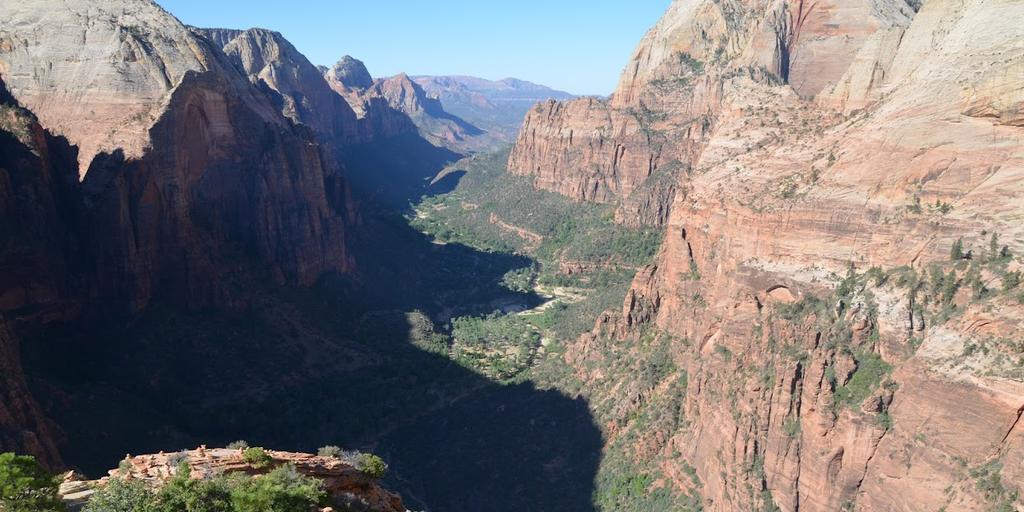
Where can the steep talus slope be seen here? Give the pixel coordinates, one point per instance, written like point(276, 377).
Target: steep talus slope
point(834, 355)
point(192, 181)
point(670, 94)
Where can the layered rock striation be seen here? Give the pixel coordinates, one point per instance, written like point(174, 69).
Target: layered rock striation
point(670, 94)
point(298, 88)
point(825, 364)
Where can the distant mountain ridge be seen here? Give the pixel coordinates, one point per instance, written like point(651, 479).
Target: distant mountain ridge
point(461, 113)
point(497, 107)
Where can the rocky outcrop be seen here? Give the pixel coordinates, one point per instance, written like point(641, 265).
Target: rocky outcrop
point(39, 253)
point(806, 390)
point(211, 163)
point(434, 123)
point(345, 483)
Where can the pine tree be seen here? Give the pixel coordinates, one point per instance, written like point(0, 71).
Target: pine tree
point(957, 252)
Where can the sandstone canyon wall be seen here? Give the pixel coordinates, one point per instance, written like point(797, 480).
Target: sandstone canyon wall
point(141, 163)
point(631, 147)
point(832, 154)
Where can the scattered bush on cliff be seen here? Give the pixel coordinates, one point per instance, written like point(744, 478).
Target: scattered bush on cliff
point(25, 486)
point(871, 371)
point(330, 451)
point(282, 490)
point(182, 493)
point(238, 445)
point(372, 465)
point(257, 457)
point(123, 495)
point(1011, 280)
point(956, 253)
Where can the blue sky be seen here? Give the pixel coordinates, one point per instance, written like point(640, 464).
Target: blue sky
point(579, 46)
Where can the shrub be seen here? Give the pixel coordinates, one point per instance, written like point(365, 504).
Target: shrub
point(1011, 280)
point(372, 465)
point(238, 445)
point(330, 451)
point(871, 371)
point(257, 457)
point(184, 494)
point(282, 490)
point(178, 458)
point(25, 486)
point(122, 495)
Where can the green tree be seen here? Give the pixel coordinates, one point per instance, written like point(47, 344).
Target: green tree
point(372, 465)
point(956, 253)
point(330, 451)
point(184, 494)
point(25, 486)
point(282, 490)
point(258, 457)
point(1011, 280)
point(949, 287)
point(122, 495)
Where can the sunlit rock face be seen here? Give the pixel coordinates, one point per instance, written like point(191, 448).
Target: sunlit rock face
point(806, 139)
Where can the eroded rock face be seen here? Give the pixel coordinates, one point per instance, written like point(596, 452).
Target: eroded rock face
point(270, 61)
point(378, 118)
point(350, 74)
point(912, 143)
point(211, 163)
point(155, 169)
point(397, 105)
point(670, 94)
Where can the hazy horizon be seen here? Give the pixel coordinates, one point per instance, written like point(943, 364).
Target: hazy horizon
point(573, 46)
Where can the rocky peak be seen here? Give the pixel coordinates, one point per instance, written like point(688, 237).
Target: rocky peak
point(810, 45)
point(220, 36)
point(47, 47)
point(405, 95)
point(350, 73)
point(269, 60)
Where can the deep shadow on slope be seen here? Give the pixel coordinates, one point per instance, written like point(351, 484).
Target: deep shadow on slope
point(299, 368)
point(391, 173)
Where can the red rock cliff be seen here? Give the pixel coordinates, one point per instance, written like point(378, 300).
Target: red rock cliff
point(783, 195)
point(670, 95)
point(191, 178)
